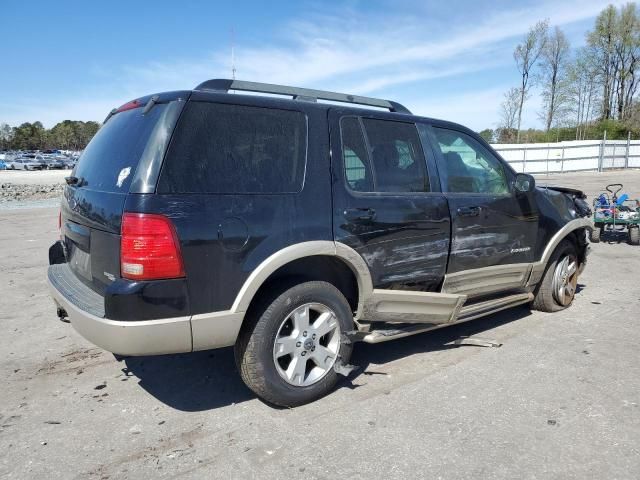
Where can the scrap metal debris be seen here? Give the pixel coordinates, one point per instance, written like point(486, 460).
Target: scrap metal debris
point(477, 342)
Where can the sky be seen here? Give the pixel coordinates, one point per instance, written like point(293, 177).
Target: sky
point(453, 60)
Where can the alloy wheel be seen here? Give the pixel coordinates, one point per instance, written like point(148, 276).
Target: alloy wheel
point(307, 344)
point(565, 280)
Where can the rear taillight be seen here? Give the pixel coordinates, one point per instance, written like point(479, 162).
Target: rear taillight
point(149, 248)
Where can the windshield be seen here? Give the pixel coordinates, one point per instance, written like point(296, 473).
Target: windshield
point(109, 162)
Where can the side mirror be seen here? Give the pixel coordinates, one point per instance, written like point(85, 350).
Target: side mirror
point(524, 183)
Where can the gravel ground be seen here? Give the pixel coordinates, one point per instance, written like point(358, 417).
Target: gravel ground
point(20, 185)
point(559, 400)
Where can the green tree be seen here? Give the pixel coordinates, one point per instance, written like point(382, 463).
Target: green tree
point(6, 136)
point(487, 134)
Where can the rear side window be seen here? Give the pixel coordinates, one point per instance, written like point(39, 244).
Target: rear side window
point(110, 160)
point(234, 149)
point(390, 159)
point(357, 167)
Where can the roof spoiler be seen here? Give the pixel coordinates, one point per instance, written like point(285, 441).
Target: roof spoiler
point(224, 85)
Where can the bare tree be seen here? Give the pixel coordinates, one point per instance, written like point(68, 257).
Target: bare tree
point(526, 56)
point(553, 66)
point(583, 81)
point(506, 131)
point(509, 109)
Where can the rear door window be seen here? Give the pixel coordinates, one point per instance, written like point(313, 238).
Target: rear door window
point(110, 160)
point(386, 157)
point(235, 149)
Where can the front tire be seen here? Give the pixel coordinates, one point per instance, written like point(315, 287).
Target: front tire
point(596, 234)
point(557, 288)
point(634, 236)
point(288, 348)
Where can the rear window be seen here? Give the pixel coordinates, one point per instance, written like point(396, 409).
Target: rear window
point(234, 149)
point(110, 160)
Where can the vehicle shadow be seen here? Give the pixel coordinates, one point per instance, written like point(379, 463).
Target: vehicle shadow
point(191, 382)
point(208, 380)
point(617, 236)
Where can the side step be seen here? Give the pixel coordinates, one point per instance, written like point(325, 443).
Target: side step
point(477, 310)
point(391, 331)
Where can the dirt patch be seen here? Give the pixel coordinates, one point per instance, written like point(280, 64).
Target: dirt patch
point(11, 192)
point(66, 362)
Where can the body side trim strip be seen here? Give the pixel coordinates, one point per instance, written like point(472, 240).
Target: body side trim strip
point(412, 307)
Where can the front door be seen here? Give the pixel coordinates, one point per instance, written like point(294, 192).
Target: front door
point(494, 228)
point(384, 204)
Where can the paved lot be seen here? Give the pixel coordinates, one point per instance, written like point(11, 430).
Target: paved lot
point(560, 399)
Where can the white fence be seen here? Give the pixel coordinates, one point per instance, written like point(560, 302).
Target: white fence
point(571, 156)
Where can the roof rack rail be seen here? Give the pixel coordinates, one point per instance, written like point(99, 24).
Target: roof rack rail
point(224, 85)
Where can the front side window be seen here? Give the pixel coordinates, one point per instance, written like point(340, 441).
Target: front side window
point(390, 159)
point(468, 167)
point(235, 149)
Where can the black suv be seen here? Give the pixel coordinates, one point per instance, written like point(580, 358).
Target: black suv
point(292, 228)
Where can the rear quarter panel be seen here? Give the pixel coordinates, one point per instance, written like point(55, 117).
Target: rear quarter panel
point(224, 237)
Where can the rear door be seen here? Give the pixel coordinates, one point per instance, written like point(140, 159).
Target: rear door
point(385, 206)
point(494, 228)
point(91, 209)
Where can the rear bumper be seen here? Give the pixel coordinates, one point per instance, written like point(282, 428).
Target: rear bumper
point(144, 337)
point(147, 337)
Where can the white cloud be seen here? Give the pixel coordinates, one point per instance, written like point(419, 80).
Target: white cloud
point(349, 51)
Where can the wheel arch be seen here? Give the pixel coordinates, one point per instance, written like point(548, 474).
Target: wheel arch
point(334, 262)
point(569, 231)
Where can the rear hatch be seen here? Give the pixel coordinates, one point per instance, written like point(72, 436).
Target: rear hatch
point(125, 155)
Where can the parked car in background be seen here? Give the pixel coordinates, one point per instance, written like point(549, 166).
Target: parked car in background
point(55, 163)
point(3, 166)
point(26, 164)
point(69, 163)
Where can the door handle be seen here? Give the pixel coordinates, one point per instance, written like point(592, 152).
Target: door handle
point(359, 214)
point(468, 211)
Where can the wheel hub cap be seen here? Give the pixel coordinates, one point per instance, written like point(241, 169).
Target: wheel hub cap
point(307, 344)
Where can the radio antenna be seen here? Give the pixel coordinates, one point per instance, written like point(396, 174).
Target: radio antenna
point(233, 56)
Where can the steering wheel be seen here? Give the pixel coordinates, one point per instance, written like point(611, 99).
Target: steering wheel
point(619, 185)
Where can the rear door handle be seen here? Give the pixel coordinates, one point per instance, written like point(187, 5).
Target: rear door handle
point(468, 211)
point(359, 214)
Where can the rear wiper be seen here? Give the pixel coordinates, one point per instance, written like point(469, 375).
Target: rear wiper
point(77, 181)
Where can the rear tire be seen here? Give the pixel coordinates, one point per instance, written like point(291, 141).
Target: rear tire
point(596, 234)
point(557, 288)
point(289, 345)
point(634, 236)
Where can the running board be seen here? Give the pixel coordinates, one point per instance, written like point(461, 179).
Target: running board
point(400, 306)
point(477, 310)
point(471, 312)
